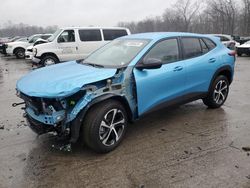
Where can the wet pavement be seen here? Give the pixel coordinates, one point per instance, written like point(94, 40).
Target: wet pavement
point(187, 146)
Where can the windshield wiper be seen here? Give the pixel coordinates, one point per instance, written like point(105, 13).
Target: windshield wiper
point(94, 65)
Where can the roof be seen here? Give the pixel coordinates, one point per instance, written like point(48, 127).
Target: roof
point(93, 27)
point(160, 35)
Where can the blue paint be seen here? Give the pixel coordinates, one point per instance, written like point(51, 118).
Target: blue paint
point(61, 80)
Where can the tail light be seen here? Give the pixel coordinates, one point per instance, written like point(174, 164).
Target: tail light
point(232, 53)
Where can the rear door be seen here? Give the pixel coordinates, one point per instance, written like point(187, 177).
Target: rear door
point(157, 86)
point(90, 40)
point(200, 61)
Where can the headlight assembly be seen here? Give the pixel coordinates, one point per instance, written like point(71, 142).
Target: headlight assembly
point(34, 51)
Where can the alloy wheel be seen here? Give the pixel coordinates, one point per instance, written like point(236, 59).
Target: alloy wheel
point(49, 61)
point(112, 127)
point(220, 92)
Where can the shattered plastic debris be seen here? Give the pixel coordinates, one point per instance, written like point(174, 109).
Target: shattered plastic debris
point(64, 147)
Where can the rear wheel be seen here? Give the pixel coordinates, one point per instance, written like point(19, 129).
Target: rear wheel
point(49, 60)
point(104, 126)
point(20, 53)
point(239, 54)
point(218, 92)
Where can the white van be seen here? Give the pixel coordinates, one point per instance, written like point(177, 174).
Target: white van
point(74, 43)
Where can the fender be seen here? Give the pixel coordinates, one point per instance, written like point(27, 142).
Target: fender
point(221, 69)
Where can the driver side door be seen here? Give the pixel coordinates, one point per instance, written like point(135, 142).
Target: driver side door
point(67, 46)
point(161, 85)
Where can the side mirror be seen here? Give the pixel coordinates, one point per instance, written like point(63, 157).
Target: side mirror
point(149, 63)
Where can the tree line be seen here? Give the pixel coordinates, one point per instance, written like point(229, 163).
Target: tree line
point(11, 30)
point(210, 16)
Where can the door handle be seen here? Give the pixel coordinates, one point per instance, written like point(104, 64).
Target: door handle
point(178, 68)
point(76, 48)
point(212, 60)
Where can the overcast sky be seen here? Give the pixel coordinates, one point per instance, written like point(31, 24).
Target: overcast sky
point(79, 12)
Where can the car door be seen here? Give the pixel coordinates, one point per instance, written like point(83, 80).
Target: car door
point(90, 40)
point(157, 86)
point(200, 64)
point(67, 46)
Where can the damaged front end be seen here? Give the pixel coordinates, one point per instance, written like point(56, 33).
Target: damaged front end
point(64, 115)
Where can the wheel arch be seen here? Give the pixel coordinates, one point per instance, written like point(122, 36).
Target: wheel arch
point(77, 122)
point(226, 71)
point(119, 98)
point(49, 54)
point(16, 48)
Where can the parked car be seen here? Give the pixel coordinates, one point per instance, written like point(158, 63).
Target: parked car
point(123, 81)
point(29, 49)
point(73, 43)
point(243, 49)
point(17, 48)
point(15, 39)
point(3, 42)
point(228, 41)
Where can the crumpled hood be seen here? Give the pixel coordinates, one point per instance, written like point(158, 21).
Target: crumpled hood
point(61, 80)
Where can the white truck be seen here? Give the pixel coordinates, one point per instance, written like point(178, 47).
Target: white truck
point(18, 48)
point(74, 43)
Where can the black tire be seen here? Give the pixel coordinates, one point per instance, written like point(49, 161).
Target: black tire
point(239, 54)
point(94, 132)
point(217, 95)
point(49, 60)
point(20, 53)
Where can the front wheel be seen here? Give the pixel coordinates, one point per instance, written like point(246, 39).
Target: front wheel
point(49, 60)
point(218, 92)
point(104, 126)
point(20, 53)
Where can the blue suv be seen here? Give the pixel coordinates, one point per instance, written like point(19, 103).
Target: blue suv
point(94, 99)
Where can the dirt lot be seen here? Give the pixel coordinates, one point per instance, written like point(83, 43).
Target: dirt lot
point(188, 146)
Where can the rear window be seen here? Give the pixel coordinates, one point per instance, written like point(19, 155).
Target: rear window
point(192, 47)
point(111, 34)
point(210, 44)
point(204, 47)
point(90, 35)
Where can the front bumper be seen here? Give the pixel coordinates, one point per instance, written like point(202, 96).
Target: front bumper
point(9, 51)
point(28, 55)
point(36, 60)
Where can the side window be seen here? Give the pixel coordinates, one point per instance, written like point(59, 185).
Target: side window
point(67, 36)
point(167, 51)
point(192, 47)
point(204, 47)
point(90, 35)
point(111, 34)
point(223, 39)
point(210, 44)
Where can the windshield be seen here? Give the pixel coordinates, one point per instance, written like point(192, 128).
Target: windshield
point(117, 53)
point(34, 38)
point(52, 37)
